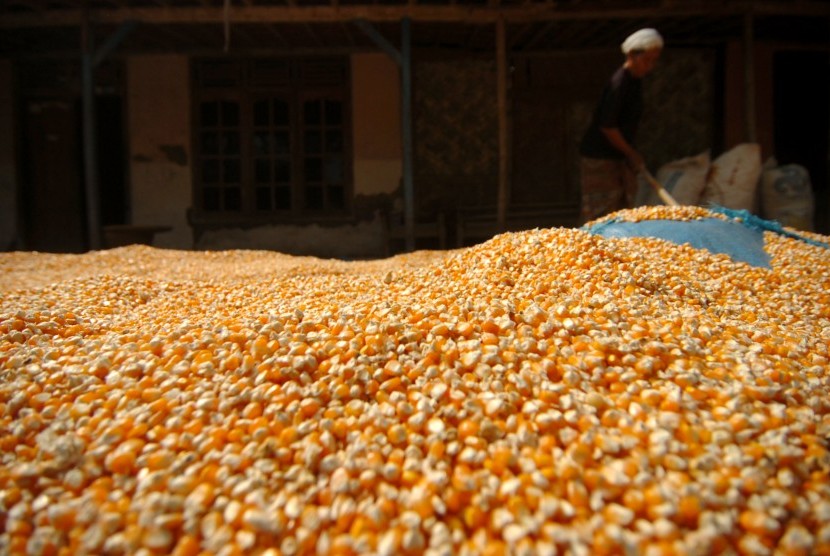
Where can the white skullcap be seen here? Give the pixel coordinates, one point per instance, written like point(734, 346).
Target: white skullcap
point(644, 39)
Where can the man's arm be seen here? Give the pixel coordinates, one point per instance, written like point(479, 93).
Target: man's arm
point(618, 141)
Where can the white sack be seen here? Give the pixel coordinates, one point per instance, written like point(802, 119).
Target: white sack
point(684, 179)
point(733, 178)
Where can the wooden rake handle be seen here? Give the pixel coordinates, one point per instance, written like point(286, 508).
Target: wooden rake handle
point(665, 196)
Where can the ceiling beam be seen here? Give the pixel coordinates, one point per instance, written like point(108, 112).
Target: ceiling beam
point(448, 13)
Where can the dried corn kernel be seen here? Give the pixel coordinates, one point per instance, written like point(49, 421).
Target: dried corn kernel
point(544, 392)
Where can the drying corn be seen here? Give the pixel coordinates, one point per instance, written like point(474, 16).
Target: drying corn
point(546, 392)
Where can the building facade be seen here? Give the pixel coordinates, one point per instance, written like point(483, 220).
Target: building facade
point(324, 129)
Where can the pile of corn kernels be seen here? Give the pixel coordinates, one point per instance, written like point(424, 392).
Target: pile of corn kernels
point(546, 392)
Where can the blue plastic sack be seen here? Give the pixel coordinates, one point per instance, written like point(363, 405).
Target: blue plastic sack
point(732, 238)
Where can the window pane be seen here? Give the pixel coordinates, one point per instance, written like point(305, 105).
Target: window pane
point(210, 198)
point(337, 198)
point(334, 112)
point(231, 171)
point(334, 141)
point(282, 198)
point(311, 113)
point(233, 198)
point(210, 171)
point(314, 197)
point(230, 114)
point(263, 198)
point(262, 170)
point(230, 143)
point(210, 143)
point(313, 169)
point(209, 114)
point(262, 144)
point(280, 112)
point(261, 113)
point(333, 170)
point(282, 170)
point(313, 142)
point(282, 142)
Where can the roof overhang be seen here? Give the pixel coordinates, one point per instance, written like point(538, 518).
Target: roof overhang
point(33, 27)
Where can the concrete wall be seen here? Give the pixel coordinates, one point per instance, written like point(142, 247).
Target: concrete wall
point(8, 180)
point(376, 118)
point(159, 146)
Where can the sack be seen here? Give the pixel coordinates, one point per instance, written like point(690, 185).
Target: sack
point(787, 196)
point(684, 179)
point(733, 178)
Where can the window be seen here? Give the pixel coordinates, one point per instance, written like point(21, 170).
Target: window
point(221, 156)
point(323, 162)
point(271, 139)
point(272, 154)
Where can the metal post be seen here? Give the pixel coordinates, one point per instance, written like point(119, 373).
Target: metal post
point(403, 58)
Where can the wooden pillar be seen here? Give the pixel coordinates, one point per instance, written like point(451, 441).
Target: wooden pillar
point(93, 216)
point(504, 136)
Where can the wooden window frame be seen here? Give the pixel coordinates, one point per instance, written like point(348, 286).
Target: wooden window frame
point(261, 196)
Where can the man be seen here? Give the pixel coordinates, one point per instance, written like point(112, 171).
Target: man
point(609, 160)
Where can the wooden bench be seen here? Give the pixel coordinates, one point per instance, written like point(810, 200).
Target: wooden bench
point(480, 223)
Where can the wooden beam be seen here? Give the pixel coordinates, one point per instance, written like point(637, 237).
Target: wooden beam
point(380, 40)
point(539, 34)
point(518, 35)
point(113, 41)
point(448, 13)
point(274, 32)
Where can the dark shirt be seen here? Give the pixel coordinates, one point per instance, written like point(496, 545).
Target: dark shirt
point(620, 107)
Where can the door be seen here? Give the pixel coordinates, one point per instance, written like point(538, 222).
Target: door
point(553, 97)
point(539, 173)
point(54, 190)
point(802, 116)
point(111, 154)
point(53, 196)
